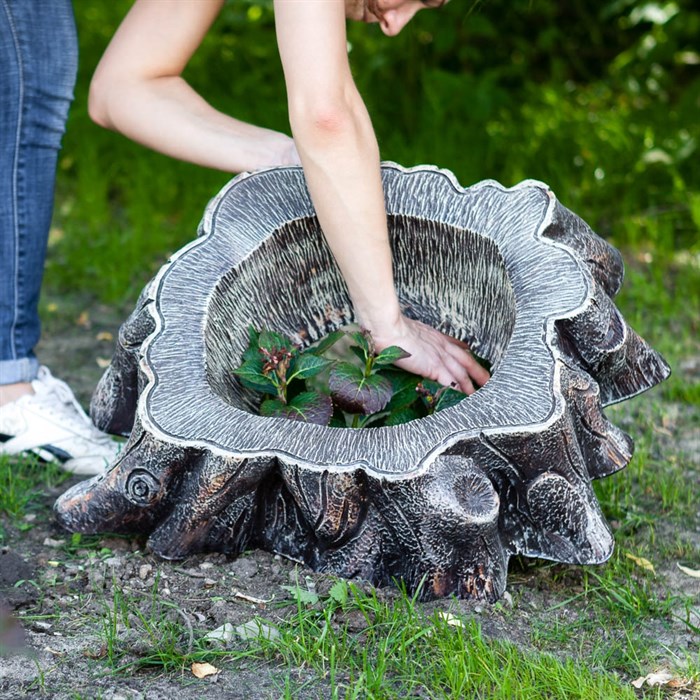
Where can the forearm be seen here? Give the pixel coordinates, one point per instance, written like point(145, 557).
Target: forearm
point(166, 114)
point(341, 163)
point(340, 156)
point(339, 152)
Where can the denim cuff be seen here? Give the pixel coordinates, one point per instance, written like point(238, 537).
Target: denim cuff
point(22, 370)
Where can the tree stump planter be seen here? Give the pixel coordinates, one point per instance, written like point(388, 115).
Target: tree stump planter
point(441, 502)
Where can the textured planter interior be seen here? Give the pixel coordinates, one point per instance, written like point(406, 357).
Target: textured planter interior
point(309, 303)
point(443, 500)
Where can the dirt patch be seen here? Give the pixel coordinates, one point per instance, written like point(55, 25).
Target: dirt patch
point(77, 608)
point(15, 574)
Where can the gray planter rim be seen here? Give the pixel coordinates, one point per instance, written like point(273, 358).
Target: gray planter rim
point(522, 396)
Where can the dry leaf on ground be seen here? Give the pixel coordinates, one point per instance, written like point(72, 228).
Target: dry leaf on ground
point(221, 634)
point(54, 652)
point(451, 619)
point(204, 670)
point(695, 573)
point(659, 678)
point(641, 561)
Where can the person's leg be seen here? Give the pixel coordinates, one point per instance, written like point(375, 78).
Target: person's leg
point(38, 60)
point(39, 56)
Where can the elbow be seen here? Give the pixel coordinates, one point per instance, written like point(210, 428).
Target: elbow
point(330, 119)
point(98, 101)
point(109, 90)
point(322, 120)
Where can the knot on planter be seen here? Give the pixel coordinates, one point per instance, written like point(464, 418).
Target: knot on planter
point(441, 502)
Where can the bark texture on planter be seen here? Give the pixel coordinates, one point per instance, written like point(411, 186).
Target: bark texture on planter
point(446, 499)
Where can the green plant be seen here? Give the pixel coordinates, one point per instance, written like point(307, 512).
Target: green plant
point(366, 388)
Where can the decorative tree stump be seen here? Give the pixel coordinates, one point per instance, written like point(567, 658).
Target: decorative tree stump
point(444, 500)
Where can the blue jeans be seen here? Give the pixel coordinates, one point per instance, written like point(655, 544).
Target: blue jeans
point(38, 66)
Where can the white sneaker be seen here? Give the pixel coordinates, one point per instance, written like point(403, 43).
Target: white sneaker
point(51, 424)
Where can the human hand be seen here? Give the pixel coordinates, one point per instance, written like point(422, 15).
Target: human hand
point(433, 355)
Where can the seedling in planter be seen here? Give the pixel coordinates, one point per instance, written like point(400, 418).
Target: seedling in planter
point(367, 390)
point(363, 391)
point(272, 364)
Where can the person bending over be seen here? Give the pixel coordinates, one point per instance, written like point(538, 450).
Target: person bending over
point(139, 91)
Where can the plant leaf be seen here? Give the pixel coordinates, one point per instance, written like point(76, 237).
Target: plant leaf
point(311, 407)
point(308, 407)
point(355, 393)
point(338, 420)
point(451, 619)
point(448, 397)
point(361, 339)
point(326, 342)
point(252, 351)
point(251, 375)
point(272, 342)
point(641, 562)
point(302, 595)
point(253, 336)
point(307, 365)
point(256, 629)
point(359, 353)
point(202, 670)
point(390, 355)
point(695, 573)
point(404, 387)
point(339, 592)
point(432, 386)
point(653, 679)
point(401, 416)
point(427, 390)
point(273, 408)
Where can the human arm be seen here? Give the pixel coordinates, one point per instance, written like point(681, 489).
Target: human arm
point(139, 91)
point(340, 156)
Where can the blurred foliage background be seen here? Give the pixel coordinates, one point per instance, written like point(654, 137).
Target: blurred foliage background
point(600, 99)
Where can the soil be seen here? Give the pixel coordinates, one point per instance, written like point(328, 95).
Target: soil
point(55, 592)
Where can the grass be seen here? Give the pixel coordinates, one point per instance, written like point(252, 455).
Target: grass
point(396, 650)
point(23, 482)
point(654, 484)
point(165, 643)
point(600, 627)
point(659, 299)
point(403, 652)
point(599, 632)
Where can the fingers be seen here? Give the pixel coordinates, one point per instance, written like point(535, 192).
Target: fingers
point(455, 341)
point(458, 376)
point(460, 363)
point(461, 353)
